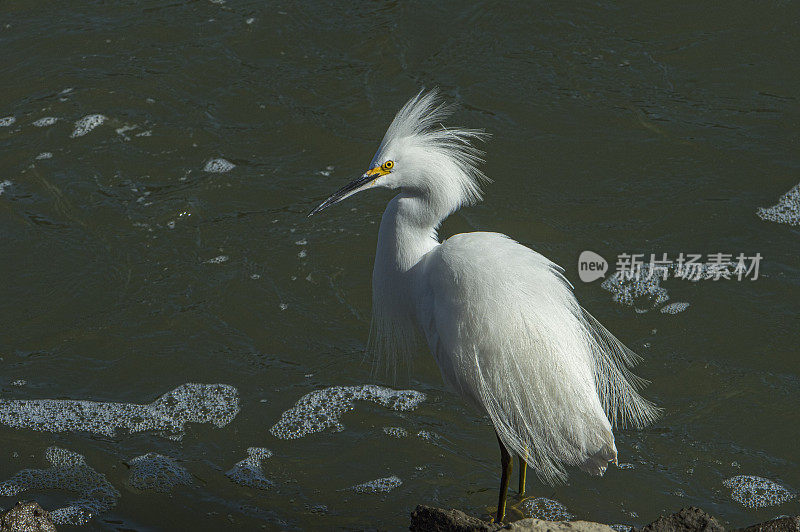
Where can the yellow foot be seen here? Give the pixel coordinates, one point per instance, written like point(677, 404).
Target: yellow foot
point(516, 508)
point(492, 512)
point(514, 511)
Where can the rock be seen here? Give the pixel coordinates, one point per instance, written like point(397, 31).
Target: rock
point(26, 517)
point(537, 525)
point(685, 520)
point(427, 518)
point(781, 524)
point(430, 519)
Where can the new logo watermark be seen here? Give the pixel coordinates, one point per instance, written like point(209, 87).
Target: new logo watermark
point(688, 266)
point(591, 266)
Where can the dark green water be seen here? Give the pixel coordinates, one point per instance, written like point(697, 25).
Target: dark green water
point(617, 127)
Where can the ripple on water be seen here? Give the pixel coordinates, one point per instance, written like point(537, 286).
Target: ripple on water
point(189, 403)
point(156, 472)
point(379, 485)
point(249, 471)
point(69, 471)
point(546, 509)
point(4, 185)
point(786, 211)
point(219, 166)
point(321, 409)
point(86, 124)
point(757, 492)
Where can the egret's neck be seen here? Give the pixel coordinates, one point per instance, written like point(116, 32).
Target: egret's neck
point(408, 231)
point(405, 236)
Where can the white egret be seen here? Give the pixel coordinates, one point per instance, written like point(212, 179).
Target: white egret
point(500, 319)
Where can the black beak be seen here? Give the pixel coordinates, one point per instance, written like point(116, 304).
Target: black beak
point(346, 191)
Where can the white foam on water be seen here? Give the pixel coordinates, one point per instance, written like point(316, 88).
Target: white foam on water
point(4, 185)
point(46, 121)
point(379, 485)
point(249, 472)
point(69, 471)
point(44, 155)
point(757, 492)
point(675, 308)
point(7, 121)
point(124, 129)
point(156, 472)
point(219, 259)
point(321, 409)
point(428, 435)
point(396, 432)
point(19, 382)
point(642, 291)
point(786, 211)
point(86, 124)
point(219, 166)
point(546, 509)
point(217, 404)
point(622, 528)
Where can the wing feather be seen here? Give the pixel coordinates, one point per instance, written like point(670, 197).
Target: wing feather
point(509, 336)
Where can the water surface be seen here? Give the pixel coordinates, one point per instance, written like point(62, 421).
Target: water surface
point(157, 161)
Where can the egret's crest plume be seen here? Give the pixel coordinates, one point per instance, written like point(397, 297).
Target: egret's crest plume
point(418, 128)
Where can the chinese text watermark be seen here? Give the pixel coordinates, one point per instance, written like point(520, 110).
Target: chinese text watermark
point(687, 266)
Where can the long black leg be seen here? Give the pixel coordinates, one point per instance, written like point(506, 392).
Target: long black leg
point(507, 465)
point(523, 472)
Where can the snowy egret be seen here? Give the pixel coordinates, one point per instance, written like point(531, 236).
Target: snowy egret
point(500, 319)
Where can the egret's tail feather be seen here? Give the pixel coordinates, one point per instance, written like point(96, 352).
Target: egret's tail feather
point(616, 384)
point(547, 449)
point(543, 425)
point(598, 462)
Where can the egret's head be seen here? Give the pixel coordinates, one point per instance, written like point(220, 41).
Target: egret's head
point(420, 156)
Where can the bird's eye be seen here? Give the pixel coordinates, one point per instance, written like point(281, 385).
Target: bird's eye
point(388, 165)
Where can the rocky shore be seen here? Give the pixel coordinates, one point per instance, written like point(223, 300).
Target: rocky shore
point(430, 519)
point(30, 517)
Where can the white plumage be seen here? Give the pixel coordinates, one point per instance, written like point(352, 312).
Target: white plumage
point(500, 319)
